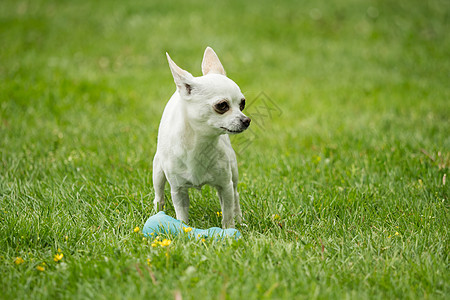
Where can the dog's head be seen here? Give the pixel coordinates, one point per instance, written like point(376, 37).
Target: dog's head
point(214, 103)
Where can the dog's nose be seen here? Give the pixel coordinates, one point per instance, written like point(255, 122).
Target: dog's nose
point(246, 122)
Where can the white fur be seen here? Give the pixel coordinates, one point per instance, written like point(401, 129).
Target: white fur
point(193, 146)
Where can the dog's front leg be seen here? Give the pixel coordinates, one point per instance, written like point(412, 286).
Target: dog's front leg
point(180, 198)
point(159, 182)
point(237, 207)
point(226, 196)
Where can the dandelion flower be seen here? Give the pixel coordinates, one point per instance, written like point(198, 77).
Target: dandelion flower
point(165, 242)
point(19, 260)
point(154, 244)
point(58, 257)
point(203, 240)
point(136, 229)
point(187, 229)
point(40, 268)
point(396, 233)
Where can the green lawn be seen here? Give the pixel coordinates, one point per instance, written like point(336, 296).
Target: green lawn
point(342, 175)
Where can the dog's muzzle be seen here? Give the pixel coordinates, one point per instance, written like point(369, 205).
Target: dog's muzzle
point(245, 123)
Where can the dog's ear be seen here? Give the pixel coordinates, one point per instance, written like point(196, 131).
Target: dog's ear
point(183, 79)
point(211, 63)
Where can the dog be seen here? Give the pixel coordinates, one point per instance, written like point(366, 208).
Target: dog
point(193, 147)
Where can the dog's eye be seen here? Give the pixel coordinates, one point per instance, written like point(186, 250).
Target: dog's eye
point(242, 105)
point(222, 107)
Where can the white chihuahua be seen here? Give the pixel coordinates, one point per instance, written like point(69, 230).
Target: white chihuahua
point(193, 146)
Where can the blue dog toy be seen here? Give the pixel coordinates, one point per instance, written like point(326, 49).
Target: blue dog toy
point(162, 223)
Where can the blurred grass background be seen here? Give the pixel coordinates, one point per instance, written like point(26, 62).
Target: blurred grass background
point(349, 145)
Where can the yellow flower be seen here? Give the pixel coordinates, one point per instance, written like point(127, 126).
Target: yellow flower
point(59, 250)
point(165, 242)
point(66, 237)
point(40, 268)
point(219, 213)
point(203, 240)
point(154, 244)
point(187, 229)
point(136, 229)
point(149, 261)
point(276, 217)
point(396, 233)
point(58, 257)
point(19, 260)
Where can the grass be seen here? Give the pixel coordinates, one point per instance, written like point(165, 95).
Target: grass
point(342, 176)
